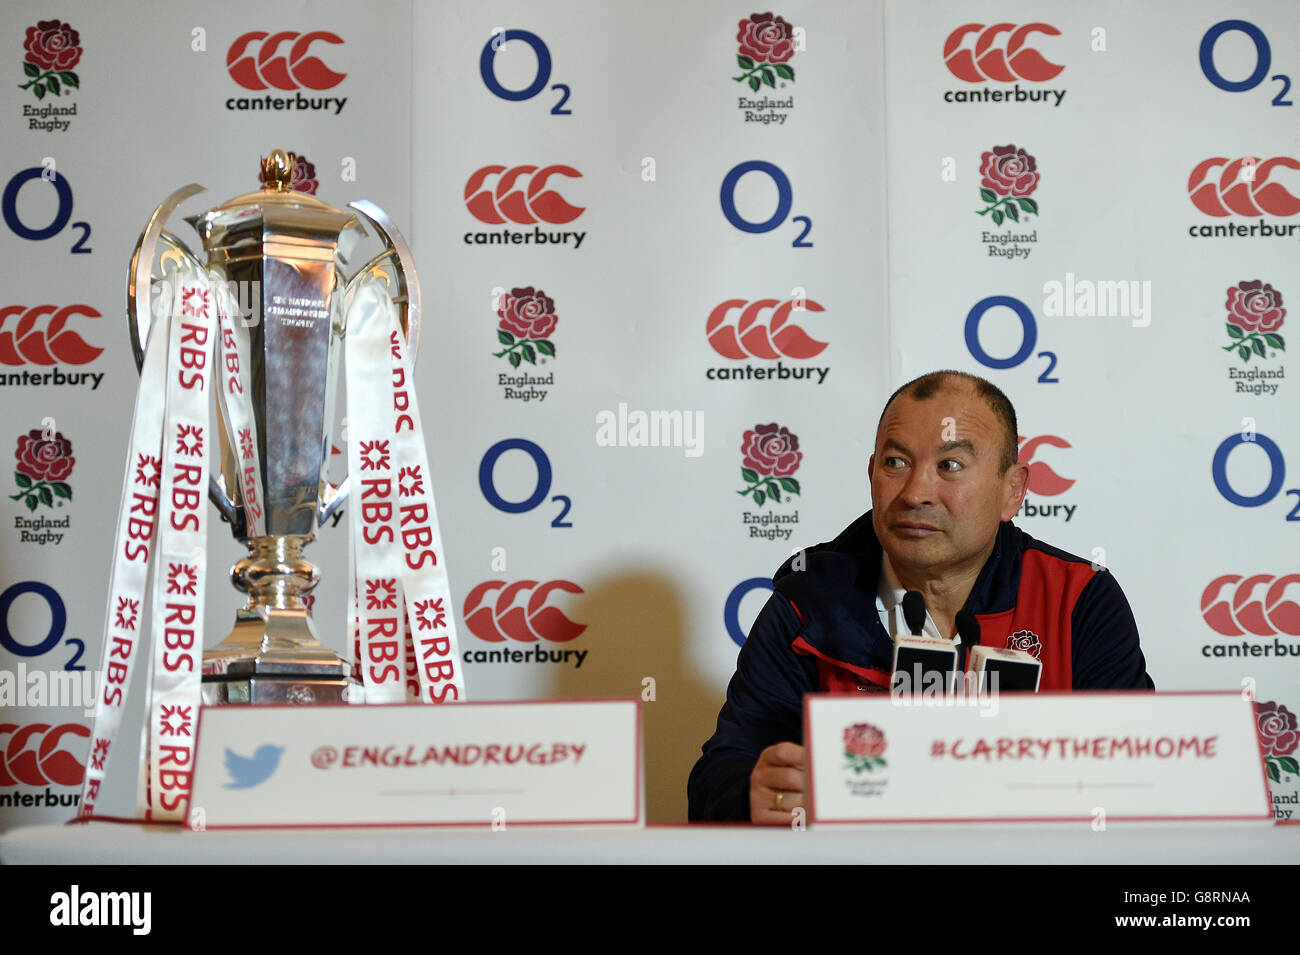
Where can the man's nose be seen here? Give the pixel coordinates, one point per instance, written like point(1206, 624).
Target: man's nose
point(918, 490)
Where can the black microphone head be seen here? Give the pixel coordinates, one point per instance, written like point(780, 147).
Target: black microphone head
point(914, 611)
point(968, 628)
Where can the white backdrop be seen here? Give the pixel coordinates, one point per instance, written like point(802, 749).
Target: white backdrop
point(866, 156)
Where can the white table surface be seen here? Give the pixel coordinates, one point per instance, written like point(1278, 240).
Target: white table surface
point(1202, 844)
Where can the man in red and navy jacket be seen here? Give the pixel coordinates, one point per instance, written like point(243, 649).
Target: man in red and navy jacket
point(944, 484)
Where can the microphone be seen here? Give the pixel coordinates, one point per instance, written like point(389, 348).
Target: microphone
point(968, 628)
point(998, 669)
point(921, 661)
point(914, 611)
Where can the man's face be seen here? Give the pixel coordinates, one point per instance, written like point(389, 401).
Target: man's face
point(936, 492)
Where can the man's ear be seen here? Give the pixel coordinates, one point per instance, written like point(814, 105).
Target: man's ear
point(871, 466)
point(1016, 484)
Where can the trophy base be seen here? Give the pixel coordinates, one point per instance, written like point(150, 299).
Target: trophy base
point(284, 689)
point(302, 675)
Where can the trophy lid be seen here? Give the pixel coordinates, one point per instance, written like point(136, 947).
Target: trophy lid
point(234, 227)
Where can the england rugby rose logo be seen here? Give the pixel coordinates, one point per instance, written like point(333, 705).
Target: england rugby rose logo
point(44, 461)
point(50, 50)
point(864, 747)
point(304, 175)
point(1255, 316)
point(527, 319)
point(1278, 737)
point(1008, 176)
point(766, 45)
point(1025, 640)
point(770, 456)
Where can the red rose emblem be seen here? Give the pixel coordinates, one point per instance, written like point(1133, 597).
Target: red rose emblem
point(1009, 171)
point(528, 313)
point(863, 739)
point(765, 38)
point(1255, 307)
point(44, 459)
point(1025, 640)
point(1277, 729)
point(771, 450)
point(52, 45)
point(304, 175)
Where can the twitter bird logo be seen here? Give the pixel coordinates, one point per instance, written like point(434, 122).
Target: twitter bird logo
point(251, 771)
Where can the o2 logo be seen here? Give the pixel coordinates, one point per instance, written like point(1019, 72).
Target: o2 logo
point(784, 201)
point(1276, 472)
point(1028, 337)
point(62, 215)
point(1263, 60)
point(58, 624)
point(542, 487)
point(731, 610)
point(487, 69)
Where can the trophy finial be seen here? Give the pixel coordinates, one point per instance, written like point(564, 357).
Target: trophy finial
point(277, 171)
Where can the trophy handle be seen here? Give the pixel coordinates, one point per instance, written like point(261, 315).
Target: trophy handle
point(408, 282)
point(407, 296)
point(139, 299)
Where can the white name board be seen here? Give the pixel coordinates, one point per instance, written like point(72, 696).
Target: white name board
point(1035, 758)
point(489, 764)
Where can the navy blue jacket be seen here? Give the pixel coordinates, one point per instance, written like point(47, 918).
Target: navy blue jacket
point(820, 632)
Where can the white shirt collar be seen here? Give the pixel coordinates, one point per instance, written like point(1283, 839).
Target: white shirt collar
point(889, 604)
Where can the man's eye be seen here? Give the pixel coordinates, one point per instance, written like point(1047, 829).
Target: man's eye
point(894, 462)
point(950, 464)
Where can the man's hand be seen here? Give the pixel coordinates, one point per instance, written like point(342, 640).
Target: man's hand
point(778, 784)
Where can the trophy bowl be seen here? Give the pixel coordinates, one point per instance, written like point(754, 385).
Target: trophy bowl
point(280, 265)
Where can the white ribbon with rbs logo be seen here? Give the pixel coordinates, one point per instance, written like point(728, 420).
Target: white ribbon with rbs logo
point(406, 644)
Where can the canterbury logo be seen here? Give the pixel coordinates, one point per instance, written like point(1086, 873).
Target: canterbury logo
point(496, 195)
point(35, 755)
point(1219, 187)
point(1043, 481)
point(21, 341)
point(255, 62)
point(750, 337)
point(985, 61)
point(497, 619)
point(1231, 605)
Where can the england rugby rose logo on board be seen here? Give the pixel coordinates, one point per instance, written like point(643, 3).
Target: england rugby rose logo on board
point(771, 455)
point(50, 50)
point(767, 43)
point(1278, 737)
point(1255, 315)
point(864, 747)
point(44, 461)
point(526, 321)
point(1008, 177)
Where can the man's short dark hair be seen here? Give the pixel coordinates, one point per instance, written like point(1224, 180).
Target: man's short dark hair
point(927, 386)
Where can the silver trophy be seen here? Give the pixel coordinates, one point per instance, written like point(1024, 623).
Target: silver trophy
point(283, 256)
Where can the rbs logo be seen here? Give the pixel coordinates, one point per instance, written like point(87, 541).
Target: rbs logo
point(255, 62)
